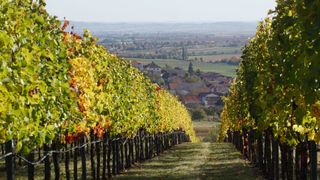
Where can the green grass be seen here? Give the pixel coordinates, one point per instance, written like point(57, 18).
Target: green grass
point(195, 161)
point(222, 68)
point(219, 50)
point(207, 131)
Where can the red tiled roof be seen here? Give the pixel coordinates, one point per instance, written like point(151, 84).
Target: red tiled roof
point(191, 99)
point(173, 85)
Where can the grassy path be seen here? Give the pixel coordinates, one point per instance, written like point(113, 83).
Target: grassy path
point(195, 161)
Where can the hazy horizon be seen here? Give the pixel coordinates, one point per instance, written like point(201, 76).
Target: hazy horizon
point(161, 11)
point(221, 28)
point(157, 22)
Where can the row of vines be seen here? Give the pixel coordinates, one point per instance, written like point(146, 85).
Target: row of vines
point(58, 86)
point(278, 81)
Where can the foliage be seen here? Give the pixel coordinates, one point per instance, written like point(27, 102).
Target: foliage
point(34, 91)
point(277, 84)
point(198, 114)
point(56, 85)
point(210, 111)
point(190, 68)
point(173, 114)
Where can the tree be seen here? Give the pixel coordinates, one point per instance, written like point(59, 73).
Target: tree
point(210, 111)
point(190, 69)
point(198, 72)
point(198, 114)
point(184, 54)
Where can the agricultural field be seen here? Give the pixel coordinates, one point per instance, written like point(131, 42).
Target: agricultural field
point(222, 68)
point(215, 50)
point(179, 46)
point(215, 58)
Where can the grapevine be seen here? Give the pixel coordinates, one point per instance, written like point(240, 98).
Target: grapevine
point(58, 86)
point(277, 82)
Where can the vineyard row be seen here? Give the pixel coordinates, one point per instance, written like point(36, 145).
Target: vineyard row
point(99, 158)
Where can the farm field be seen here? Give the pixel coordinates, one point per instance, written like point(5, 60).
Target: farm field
point(222, 68)
point(215, 58)
point(216, 49)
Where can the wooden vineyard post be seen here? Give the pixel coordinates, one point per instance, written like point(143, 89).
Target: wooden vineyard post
point(109, 142)
point(170, 140)
point(126, 154)
point(165, 141)
point(137, 148)
point(146, 146)
point(237, 140)
point(93, 170)
point(304, 161)
point(313, 160)
point(297, 159)
point(260, 152)
point(114, 157)
point(157, 143)
point(67, 159)
point(177, 137)
point(83, 159)
point(31, 166)
point(131, 153)
point(267, 154)
point(160, 141)
point(98, 149)
point(233, 138)
point(250, 145)
point(121, 154)
point(55, 159)
point(151, 146)
point(229, 136)
point(9, 160)
point(275, 158)
point(149, 139)
point(47, 174)
point(245, 143)
point(284, 161)
point(241, 142)
point(141, 145)
point(104, 155)
point(290, 163)
point(118, 156)
point(75, 161)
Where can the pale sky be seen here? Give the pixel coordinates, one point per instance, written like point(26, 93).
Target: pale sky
point(160, 10)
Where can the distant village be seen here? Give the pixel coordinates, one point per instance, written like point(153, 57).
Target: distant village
point(201, 92)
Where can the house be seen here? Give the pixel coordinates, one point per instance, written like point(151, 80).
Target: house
point(209, 99)
point(153, 67)
point(221, 89)
point(191, 86)
point(175, 88)
point(191, 101)
point(137, 64)
point(209, 76)
point(200, 90)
